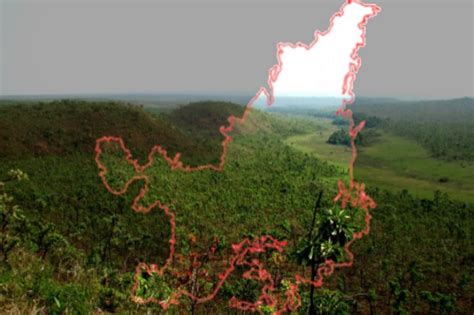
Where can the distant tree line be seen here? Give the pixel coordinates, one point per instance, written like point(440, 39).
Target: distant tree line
point(445, 128)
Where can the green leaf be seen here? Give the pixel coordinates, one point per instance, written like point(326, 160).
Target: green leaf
point(58, 304)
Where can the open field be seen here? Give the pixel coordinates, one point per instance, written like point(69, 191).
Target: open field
point(398, 163)
point(392, 162)
point(315, 143)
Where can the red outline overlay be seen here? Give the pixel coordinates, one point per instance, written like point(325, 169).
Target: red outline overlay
point(353, 194)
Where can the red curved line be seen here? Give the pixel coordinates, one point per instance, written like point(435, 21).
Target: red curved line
point(345, 194)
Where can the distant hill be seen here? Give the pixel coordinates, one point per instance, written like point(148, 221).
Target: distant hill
point(441, 111)
point(162, 101)
point(72, 127)
point(203, 119)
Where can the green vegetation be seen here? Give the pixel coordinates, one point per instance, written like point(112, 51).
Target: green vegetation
point(417, 259)
point(69, 246)
point(397, 147)
point(395, 163)
point(330, 230)
point(71, 127)
point(340, 136)
point(315, 143)
point(444, 128)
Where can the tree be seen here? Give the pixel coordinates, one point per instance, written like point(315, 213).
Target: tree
point(331, 228)
point(340, 136)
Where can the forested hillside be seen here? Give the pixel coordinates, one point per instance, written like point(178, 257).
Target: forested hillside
point(68, 246)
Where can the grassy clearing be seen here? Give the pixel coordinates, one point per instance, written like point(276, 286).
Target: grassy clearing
point(399, 163)
point(392, 162)
point(315, 143)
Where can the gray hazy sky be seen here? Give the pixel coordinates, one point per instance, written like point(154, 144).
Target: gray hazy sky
point(418, 48)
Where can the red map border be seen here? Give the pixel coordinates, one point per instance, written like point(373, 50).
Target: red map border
point(354, 194)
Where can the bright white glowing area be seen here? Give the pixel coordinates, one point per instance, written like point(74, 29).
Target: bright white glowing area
point(321, 70)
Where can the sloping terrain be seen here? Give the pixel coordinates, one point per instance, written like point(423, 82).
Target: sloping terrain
point(71, 127)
